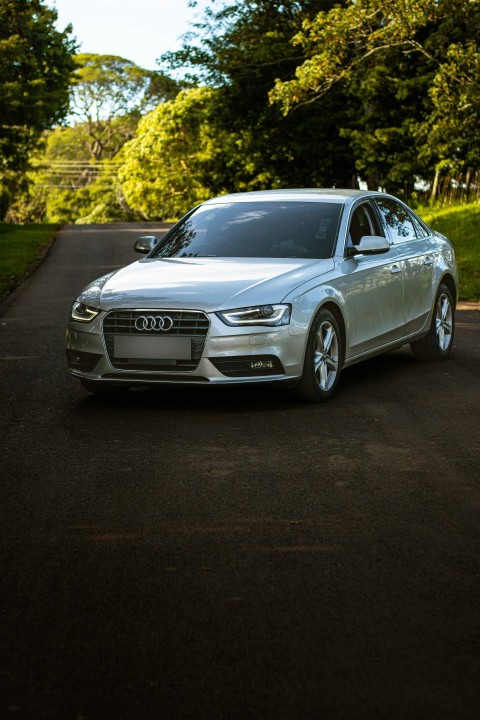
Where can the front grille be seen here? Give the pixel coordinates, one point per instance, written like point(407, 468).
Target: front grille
point(186, 323)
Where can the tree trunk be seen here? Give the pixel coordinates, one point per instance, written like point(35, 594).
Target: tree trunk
point(436, 181)
point(467, 183)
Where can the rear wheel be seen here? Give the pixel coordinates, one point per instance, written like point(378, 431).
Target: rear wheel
point(438, 344)
point(323, 356)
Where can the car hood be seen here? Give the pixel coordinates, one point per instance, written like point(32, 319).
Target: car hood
point(207, 284)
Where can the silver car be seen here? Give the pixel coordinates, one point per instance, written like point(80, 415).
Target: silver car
point(281, 286)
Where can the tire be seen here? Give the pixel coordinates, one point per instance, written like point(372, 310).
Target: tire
point(437, 345)
point(323, 360)
point(102, 388)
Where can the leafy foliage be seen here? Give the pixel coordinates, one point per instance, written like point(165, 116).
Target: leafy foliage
point(35, 67)
point(340, 42)
point(166, 165)
point(65, 183)
point(226, 137)
point(413, 65)
point(299, 93)
point(240, 48)
point(107, 87)
point(75, 178)
point(454, 124)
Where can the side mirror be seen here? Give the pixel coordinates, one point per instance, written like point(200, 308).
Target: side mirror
point(145, 244)
point(370, 245)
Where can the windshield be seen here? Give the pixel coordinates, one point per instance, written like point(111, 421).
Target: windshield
point(255, 230)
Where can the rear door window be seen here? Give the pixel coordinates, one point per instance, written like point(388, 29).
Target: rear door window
point(397, 219)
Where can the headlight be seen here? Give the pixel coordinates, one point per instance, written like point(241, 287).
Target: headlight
point(83, 313)
point(272, 315)
point(84, 309)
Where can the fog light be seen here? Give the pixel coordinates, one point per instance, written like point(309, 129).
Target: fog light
point(79, 360)
point(261, 364)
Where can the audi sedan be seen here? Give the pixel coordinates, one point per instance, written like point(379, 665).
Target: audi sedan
point(281, 286)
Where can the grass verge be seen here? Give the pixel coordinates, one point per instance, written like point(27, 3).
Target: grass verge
point(461, 224)
point(21, 246)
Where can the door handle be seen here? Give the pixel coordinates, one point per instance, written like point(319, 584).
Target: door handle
point(395, 269)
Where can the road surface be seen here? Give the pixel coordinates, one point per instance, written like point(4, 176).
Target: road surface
point(221, 554)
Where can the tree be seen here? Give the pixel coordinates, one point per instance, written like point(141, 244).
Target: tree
point(65, 185)
point(106, 87)
point(398, 58)
point(224, 136)
point(240, 48)
point(166, 167)
point(339, 41)
point(453, 126)
point(75, 177)
point(35, 68)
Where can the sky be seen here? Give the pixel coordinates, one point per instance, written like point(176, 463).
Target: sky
point(138, 30)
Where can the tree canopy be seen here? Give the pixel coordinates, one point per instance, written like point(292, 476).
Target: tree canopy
point(300, 93)
point(107, 87)
point(35, 67)
point(74, 177)
point(239, 49)
point(165, 169)
point(413, 65)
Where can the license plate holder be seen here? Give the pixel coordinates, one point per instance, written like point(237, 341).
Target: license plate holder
point(152, 347)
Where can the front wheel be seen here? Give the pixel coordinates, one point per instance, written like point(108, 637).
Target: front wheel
point(323, 357)
point(438, 344)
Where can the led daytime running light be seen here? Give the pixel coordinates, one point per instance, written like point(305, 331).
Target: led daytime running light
point(83, 313)
point(270, 315)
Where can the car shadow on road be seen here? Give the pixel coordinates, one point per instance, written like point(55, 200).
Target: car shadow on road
point(375, 376)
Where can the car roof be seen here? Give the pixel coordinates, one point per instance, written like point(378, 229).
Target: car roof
point(306, 194)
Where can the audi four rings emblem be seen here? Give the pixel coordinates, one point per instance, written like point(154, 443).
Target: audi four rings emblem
point(157, 323)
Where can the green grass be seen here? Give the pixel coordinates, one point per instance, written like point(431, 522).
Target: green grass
point(20, 247)
point(461, 224)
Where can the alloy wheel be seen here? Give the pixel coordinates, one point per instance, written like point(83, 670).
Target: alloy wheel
point(444, 322)
point(326, 356)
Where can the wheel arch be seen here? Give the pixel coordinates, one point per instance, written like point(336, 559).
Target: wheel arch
point(308, 386)
point(449, 281)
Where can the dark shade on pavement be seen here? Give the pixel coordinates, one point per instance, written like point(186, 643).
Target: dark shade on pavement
point(231, 553)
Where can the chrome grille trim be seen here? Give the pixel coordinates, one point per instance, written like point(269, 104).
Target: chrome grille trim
point(187, 323)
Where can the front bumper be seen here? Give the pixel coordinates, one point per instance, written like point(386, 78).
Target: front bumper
point(253, 354)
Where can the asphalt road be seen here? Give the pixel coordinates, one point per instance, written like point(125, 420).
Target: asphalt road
point(214, 554)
